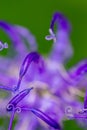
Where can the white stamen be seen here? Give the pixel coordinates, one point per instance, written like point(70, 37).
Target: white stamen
point(51, 36)
point(2, 46)
point(5, 45)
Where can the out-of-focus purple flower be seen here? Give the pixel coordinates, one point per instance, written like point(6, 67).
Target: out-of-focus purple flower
point(55, 88)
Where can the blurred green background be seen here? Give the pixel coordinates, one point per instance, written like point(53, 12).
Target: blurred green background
point(36, 15)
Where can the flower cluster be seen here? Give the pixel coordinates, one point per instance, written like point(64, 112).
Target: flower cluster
point(39, 85)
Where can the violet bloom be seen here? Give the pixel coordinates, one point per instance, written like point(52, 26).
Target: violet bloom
point(55, 88)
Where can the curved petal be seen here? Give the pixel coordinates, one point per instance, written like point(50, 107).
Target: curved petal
point(23, 32)
point(14, 36)
point(44, 117)
point(31, 57)
point(61, 21)
point(62, 49)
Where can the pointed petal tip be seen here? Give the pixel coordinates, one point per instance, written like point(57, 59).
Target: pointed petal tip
point(61, 20)
point(16, 99)
point(29, 89)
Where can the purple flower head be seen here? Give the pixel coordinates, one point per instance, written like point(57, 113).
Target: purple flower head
point(55, 88)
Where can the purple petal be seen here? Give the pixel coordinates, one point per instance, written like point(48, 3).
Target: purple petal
point(46, 118)
point(31, 57)
point(27, 36)
point(15, 100)
point(6, 81)
point(62, 22)
point(79, 70)
point(82, 68)
point(78, 116)
point(6, 88)
point(62, 50)
point(23, 125)
point(12, 33)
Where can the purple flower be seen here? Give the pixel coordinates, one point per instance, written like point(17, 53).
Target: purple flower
point(55, 88)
